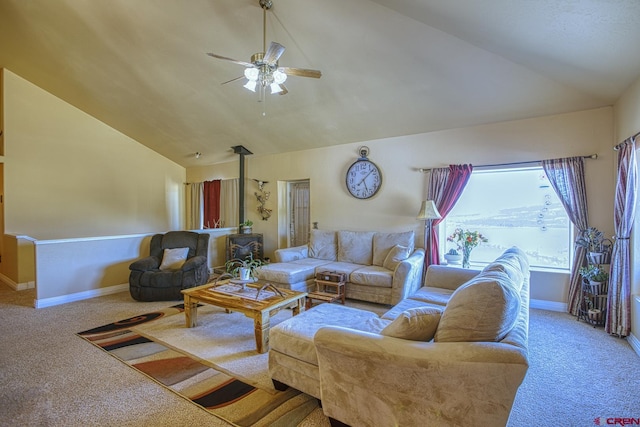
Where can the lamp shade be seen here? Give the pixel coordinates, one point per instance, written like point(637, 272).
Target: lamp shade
point(428, 210)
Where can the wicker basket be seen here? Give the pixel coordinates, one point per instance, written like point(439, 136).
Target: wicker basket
point(595, 288)
point(599, 258)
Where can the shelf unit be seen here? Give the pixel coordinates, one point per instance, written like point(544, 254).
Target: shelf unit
point(593, 296)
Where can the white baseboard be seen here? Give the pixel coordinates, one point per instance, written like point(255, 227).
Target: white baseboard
point(634, 343)
point(63, 299)
point(17, 286)
point(548, 305)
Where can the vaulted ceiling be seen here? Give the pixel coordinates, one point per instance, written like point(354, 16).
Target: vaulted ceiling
point(389, 67)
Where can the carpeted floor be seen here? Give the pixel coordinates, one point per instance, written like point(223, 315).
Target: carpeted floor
point(50, 377)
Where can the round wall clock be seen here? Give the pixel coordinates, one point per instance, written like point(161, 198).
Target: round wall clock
point(363, 177)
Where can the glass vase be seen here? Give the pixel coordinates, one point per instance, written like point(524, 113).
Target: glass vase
point(466, 254)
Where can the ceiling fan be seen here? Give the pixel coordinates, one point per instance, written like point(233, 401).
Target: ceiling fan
point(263, 70)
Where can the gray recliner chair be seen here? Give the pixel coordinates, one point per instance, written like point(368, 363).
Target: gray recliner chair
point(148, 282)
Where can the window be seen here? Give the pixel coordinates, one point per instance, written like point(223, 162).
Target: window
point(513, 207)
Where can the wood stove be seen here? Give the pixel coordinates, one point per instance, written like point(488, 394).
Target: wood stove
point(240, 246)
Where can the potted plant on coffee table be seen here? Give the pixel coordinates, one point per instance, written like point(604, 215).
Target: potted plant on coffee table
point(244, 269)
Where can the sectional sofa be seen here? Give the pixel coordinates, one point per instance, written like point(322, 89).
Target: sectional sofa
point(454, 353)
point(381, 267)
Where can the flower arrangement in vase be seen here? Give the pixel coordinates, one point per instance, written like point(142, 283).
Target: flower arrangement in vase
point(466, 240)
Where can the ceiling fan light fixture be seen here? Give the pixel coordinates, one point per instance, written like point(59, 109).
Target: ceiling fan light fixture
point(275, 88)
point(251, 85)
point(263, 70)
point(251, 73)
point(279, 77)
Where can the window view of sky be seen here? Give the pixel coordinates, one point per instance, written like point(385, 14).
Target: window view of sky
point(513, 207)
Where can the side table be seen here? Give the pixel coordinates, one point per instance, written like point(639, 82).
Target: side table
point(326, 291)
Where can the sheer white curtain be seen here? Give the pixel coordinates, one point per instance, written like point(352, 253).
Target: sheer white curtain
point(229, 200)
point(195, 206)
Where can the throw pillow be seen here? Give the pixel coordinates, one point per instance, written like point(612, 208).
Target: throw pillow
point(173, 259)
point(383, 242)
point(484, 309)
point(415, 324)
point(395, 256)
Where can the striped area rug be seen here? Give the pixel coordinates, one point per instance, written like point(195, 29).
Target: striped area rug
point(222, 395)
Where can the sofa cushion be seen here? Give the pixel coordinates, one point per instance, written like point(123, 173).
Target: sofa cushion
point(339, 267)
point(355, 247)
point(446, 277)
point(374, 325)
point(483, 309)
point(174, 259)
point(290, 272)
point(432, 295)
point(372, 275)
point(292, 254)
point(416, 324)
point(294, 336)
point(395, 255)
point(323, 245)
point(513, 263)
point(383, 242)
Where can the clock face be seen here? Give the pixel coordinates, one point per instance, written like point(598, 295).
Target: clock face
point(363, 179)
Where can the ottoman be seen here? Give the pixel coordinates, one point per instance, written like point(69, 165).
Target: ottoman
point(292, 357)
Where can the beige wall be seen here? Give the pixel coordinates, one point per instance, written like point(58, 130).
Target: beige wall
point(69, 175)
point(397, 203)
point(627, 123)
point(18, 262)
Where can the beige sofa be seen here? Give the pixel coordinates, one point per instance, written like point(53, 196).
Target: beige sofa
point(453, 353)
point(381, 267)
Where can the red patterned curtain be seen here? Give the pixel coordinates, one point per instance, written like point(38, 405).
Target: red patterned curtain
point(445, 188)
point(211, 215)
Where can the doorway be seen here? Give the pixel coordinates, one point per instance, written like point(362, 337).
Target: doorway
point(298, 212)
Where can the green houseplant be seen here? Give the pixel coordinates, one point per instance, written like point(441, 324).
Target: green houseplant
point(598, 248)
point(594, 273)
point(245, 227)
point(244, 269)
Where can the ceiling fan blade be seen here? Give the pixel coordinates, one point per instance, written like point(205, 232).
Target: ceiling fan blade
point(284, 90)
point(273, 53)
point(232, 80)
point(301, 72)
point(243, 63)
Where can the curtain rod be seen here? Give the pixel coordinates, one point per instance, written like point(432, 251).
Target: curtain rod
point(619, 146)
point(592, 156)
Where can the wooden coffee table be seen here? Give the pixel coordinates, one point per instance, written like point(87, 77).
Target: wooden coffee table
point(269, 303)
